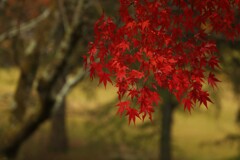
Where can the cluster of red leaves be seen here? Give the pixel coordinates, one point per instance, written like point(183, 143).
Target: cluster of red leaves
point(161, 44)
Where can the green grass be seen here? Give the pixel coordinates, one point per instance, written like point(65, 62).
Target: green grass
point(96, 133)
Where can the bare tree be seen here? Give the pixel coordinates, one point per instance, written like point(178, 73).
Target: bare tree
point(49, 66)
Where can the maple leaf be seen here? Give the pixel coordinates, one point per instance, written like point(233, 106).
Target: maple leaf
point(214, 62)
point(188, 104)
point(131, 24)
point(136, 74)
point(145, 24)
point(148, 109)
point(203, 98)
point(209, 47)
point(212, 80)
point(167, 41)
point(203, 62)
point(132, 114)
point(167, 68)
point(133, 93)
point(171, 60)
point(123, 46)
point(193, 94)
point(154, 97)
point(122, 107)
point(121, 74)
point(104, 78)
point(94, 67)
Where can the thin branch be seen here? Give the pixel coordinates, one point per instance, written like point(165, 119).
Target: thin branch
point(71, 83)
point(25, 26)
point(65, 50)
point(77, 13)
point(63, 14)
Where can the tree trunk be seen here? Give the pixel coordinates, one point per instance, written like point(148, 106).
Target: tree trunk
point(58, 135)
point(166, 129)
point(28, 68)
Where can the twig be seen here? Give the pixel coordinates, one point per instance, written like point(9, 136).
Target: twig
point(77, 13)
point(25, 26)
point(72, 82)
point(63, 14)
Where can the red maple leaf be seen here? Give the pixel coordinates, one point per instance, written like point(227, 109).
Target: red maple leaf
point(122, 107)
point(212, 80)
point(131, 24)
point(146, 110)
point(132, 114)
point(154, 97)
point(121, 74)
point(136, 74)
point(188, 104)
point(204, 97)
point(214, 62)
point(133, 93)
point(104, 78)
point(123, 46)
point(145, 24)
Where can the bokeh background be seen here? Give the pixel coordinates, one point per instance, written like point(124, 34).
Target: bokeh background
point(85, 125)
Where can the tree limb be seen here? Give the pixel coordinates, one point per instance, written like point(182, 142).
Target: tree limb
point(71, 82)
point(63, 14)
point(64, 52)
point(28, 70)
point(25, 26)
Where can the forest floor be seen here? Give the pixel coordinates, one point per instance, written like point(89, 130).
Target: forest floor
point(96, 133)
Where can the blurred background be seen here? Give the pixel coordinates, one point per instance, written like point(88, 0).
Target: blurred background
point(51, 110)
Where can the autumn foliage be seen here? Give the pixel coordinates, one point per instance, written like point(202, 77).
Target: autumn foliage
point(161, 44)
